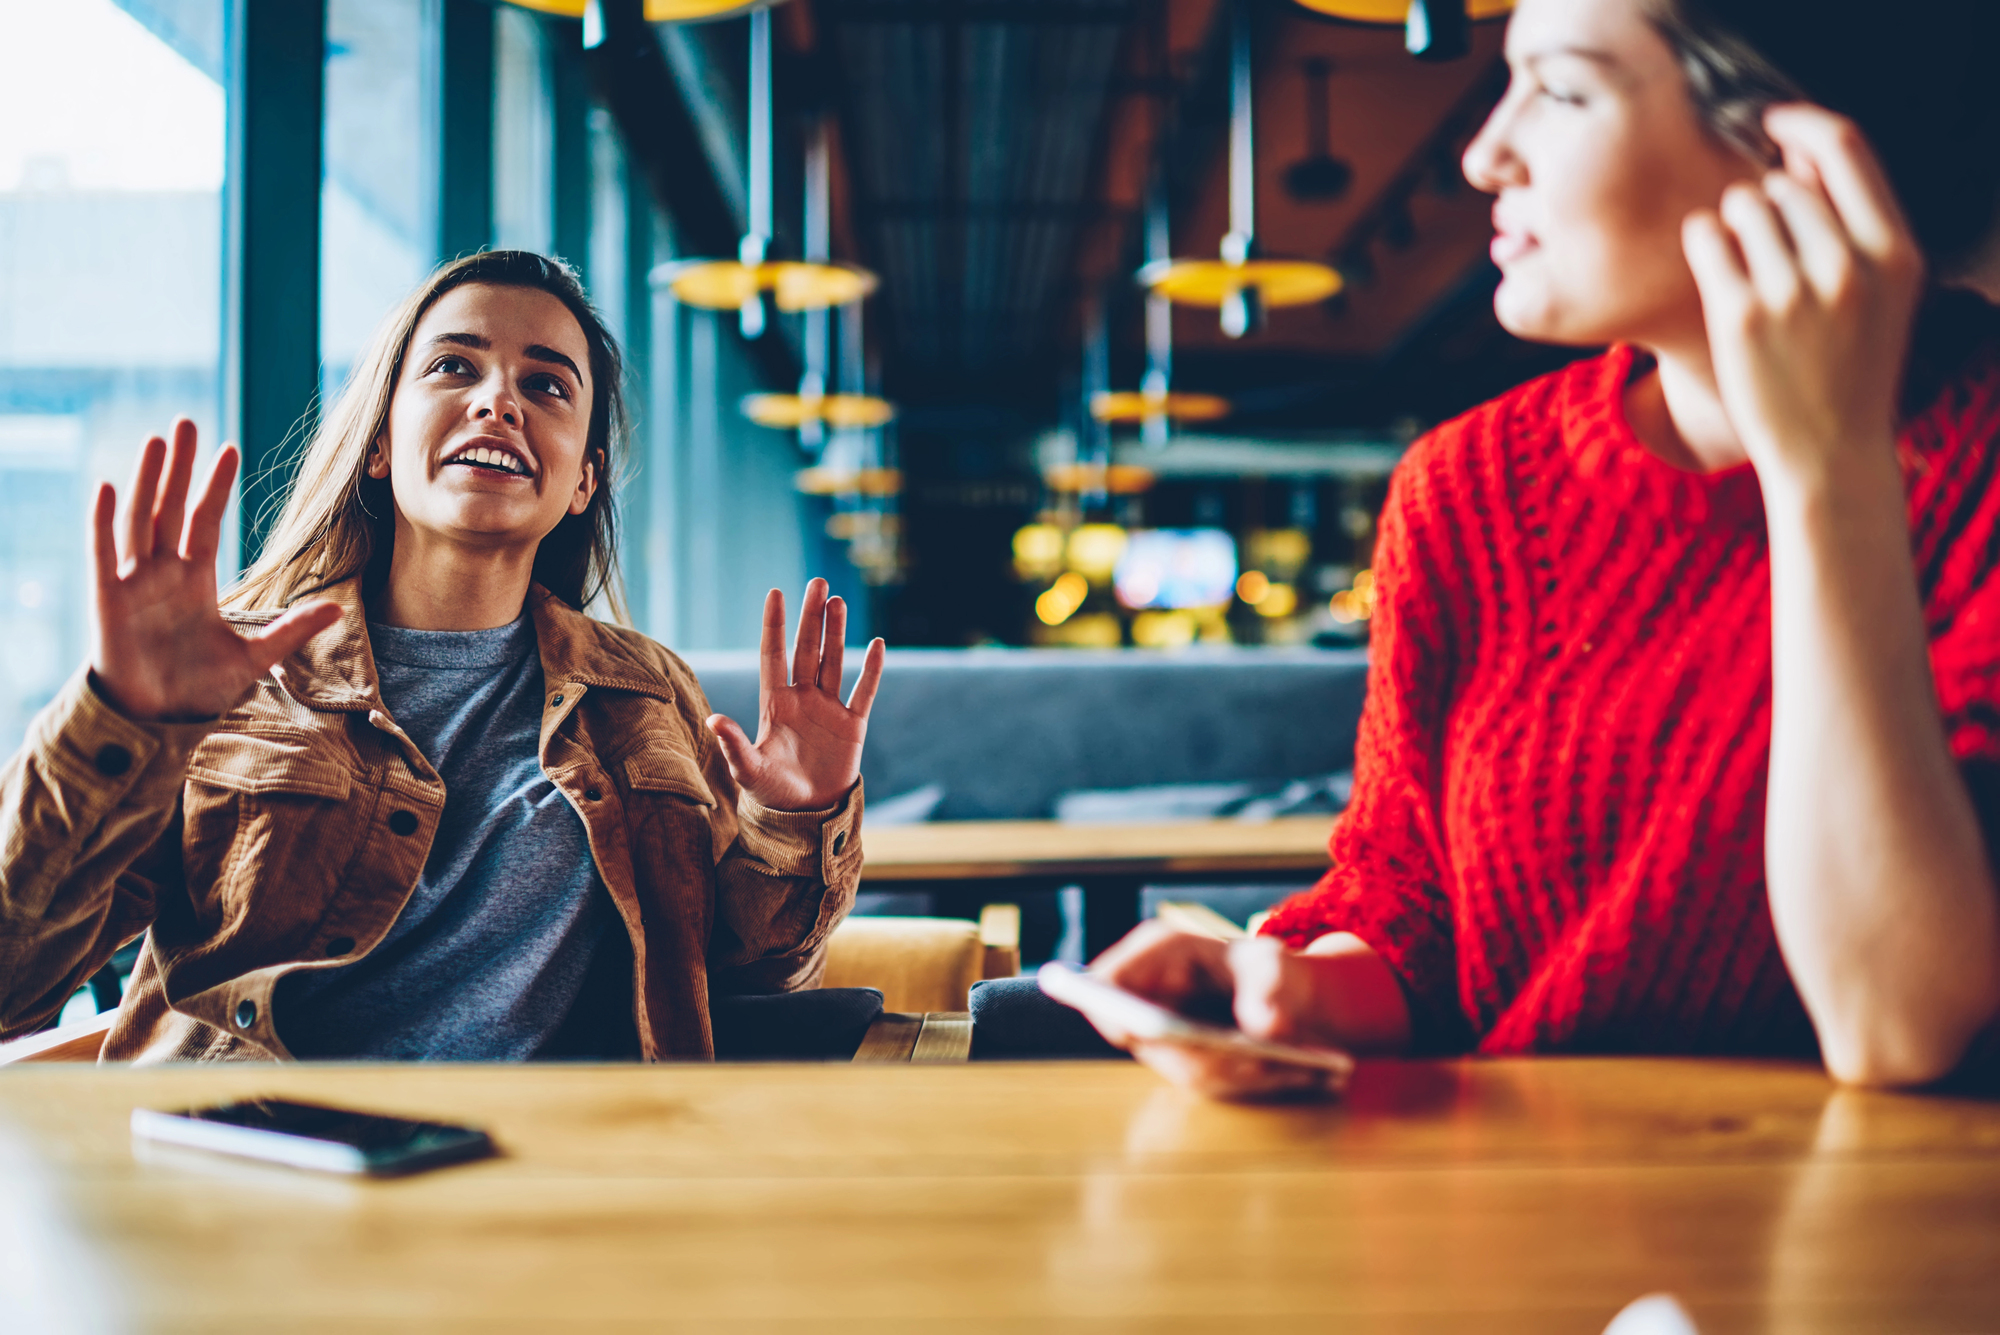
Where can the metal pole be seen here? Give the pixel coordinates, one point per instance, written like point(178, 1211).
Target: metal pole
point(756, 243)
point(274, 71)
point(1237, 245)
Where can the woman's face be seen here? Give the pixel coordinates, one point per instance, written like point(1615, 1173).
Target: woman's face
point(490, 420)
point(1596, 155)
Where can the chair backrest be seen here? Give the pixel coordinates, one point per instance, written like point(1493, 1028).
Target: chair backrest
point(1004, 731)
point(924, 964)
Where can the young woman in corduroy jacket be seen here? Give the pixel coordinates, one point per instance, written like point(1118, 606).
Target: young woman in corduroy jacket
point(398, 795)
point(1683, 717)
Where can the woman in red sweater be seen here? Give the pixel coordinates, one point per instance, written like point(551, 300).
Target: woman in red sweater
point(1684, 699)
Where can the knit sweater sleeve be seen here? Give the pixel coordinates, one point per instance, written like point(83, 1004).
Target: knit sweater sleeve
point(1388, 881)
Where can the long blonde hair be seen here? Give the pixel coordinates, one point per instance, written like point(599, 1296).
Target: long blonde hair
point(336, 522)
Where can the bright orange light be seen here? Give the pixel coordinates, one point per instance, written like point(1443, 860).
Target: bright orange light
point(1252, 585)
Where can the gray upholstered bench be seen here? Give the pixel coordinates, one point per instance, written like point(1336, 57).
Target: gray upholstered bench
point(1002, 734)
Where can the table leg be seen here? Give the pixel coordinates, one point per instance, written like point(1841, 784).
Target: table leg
point(1110, 909)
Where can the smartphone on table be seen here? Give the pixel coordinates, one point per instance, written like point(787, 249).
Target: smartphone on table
point(1144, 1019)
point(311, 1135)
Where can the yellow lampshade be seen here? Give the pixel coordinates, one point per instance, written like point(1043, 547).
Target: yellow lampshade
point(1212, 282)
point(862, 481)
point(1117, 479)
point(800, 286)
point(1137, 406)
point(843, 412)
point(1394, 11)
point(659, 11)
point(724, 285)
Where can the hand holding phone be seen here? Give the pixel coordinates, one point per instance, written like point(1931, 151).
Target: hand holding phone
point(1137, 1020)
point(310, 1135)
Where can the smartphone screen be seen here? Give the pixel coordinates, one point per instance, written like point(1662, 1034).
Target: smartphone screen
point(312, 1135)
point(1148, 1019)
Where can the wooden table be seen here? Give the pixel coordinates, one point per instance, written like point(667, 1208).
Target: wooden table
point(1111, 862)
point(1494, 1197)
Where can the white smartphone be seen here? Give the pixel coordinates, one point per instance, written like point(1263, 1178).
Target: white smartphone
point(1149, 1020)
point(310, 1135)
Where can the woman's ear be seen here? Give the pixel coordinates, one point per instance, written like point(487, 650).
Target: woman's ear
point(586, 485)
point(378, 459)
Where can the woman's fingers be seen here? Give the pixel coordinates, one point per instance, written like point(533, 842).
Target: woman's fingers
point(1825, 251)
point(139, 505)
point(812, 629)
point(1718, 268)
point(742, 757)
point(170, 509)
point(1767, 251)
point(104, 539)
point(863, 698)
point(771, 646)
point(1833, 149)
point(833, 648)
point(288, 634)
point(204, 531)
point(1227, 1075)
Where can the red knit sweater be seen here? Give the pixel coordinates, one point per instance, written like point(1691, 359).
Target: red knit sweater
point(1556, 838)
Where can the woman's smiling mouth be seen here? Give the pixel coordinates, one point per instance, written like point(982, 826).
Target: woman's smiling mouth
point(491, 459)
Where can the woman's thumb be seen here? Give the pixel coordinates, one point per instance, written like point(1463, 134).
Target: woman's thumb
point(736, 747)
point(1264, 1004)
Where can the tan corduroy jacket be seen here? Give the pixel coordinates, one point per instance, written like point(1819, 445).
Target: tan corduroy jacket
point(289, 833)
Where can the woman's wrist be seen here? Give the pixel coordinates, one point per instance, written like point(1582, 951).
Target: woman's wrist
point(1848, 479)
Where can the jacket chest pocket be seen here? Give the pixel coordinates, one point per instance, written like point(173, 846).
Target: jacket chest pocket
point(673, 814)
point(267, 816)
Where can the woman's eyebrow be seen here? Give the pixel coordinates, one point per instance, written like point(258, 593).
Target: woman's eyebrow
point(542, 353)
point(1595, 55)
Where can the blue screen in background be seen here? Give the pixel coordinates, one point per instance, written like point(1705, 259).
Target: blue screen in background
point(1177, 567)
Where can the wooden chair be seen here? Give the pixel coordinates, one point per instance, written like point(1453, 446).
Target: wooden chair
point(925, 964)
point(925, 968)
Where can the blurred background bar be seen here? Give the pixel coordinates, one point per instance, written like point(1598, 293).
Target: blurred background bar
point(929, 220)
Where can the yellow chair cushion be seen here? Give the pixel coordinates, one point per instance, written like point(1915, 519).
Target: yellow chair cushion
point(920, 964)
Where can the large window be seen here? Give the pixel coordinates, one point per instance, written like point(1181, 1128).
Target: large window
point(378, 196)
point(110, 290)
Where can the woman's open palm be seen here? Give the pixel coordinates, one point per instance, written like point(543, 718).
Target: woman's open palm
point(159, 646)
point(808, 748)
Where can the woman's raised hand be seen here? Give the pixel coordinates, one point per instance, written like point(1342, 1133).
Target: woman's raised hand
point(159, 646)
point(808, 748)
point(1809, 284)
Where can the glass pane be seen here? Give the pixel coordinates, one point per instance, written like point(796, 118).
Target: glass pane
point(378, 200)
point(523, 135)
point(110, 290)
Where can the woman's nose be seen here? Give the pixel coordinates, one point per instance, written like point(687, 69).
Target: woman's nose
point(1489, 162)
point(497, 402)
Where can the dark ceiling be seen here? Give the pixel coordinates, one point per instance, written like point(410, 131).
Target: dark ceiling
point(992, 158)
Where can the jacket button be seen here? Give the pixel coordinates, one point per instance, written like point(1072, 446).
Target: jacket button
point(554, 701)
point(591, 794)
point(839, 842)
point(403, 822)
point(340, 945)
point(113, 760)
point(246, 1013)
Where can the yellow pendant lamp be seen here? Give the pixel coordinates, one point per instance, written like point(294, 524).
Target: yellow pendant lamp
point(812, 411)
point(841, 412)
point(1432, 29)
point(740, 284)
point(658, 11)
point(1126, 406)
point(1239, 285)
